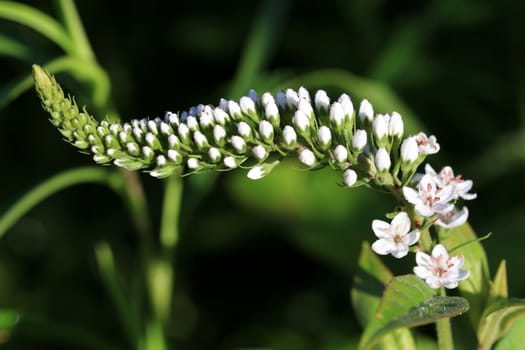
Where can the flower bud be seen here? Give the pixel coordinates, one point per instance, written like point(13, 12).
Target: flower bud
point(272, 114)
point(161, 160)
point(380, 128)
point(235, 110)
point(366, 111)
point(199, 139)
point(340, 154)
point(259, 152)
point(347, 105)
point(238, 143)
point(382, 160)
point(152, 126)
point(219, 134)
point(349, 177)
point(230, 162)
point(322, 101)
point(359, 140)
point(214, 154)
point(266, 131)
point(395, 126)
point(305, 107)
point(172, 118)
point(192, 163)
point(192, 123)
point(267, 98)
point(244, 130)
point(409, 150)
point(173, 141)
point(175, 156)
point(292, 98)
point(302, 122)
point(290, 136)
point(247, 106)
point(304, 94)
point(280, 98)
point(337, 116)
point(307, 157)
point(184, 132)
point(221, 117)
point(252, 94)
point(205, 120)
point(325, 136)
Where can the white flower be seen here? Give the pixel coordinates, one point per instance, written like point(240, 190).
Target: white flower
point(205, 120)
point(453, 218)
point(341, 154)
point(289, 135)
point(161, 160)
point(427, 145)
point(394, 238)
point(266, 130)
point(259, 152)
point(349, 177)
point(256, 173)
point(359, 140)
point(409, 150)
point(220, 116)
point(174, 156)
point(307, 157)
point(429, 199)
point(305, 107)
point(324, 135)
point(234, 108)
point(395, 125)
point(337, 114)
point(440, 269)
point(322, 101)
point(244, 129)
point(192, 123)
point(382, 160)
point(446, 178)
point(366, 111)
point(183, 131)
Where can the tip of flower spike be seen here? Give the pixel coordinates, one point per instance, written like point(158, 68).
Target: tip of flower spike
point(43, 81)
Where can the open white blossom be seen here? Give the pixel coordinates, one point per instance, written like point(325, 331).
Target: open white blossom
point(446, 178)
point(394, 238)
point(427, 145)
point(453, 218)
point(439, 269)
point(429, 198)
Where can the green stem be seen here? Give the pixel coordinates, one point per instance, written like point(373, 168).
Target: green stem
point(444, 330)
point(169, 231)
point(71, 19)
point(55, 184)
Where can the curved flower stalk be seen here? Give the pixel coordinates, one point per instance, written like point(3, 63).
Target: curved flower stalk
point(257, 131)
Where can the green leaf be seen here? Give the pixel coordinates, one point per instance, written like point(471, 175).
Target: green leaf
point(497, 320)
point(37, 20)
point(515, 337)
point(409, 302)
point(368, 286)
point(476, 288)
point(8, 320)
point(499, 290)
point(14, 48)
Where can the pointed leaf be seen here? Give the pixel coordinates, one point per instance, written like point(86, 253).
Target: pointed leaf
point(409, 302)
point(499, 290)
point(497, 320)
point(476, 288)
point(368, 286)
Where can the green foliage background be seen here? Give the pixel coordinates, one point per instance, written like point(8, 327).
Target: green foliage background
point(268, 263)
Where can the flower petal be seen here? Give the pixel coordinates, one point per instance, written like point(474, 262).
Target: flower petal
point(422, 272)
point(399, 251)
point(423, 259)
point(411, 238)
point(382, 246)
point(412, 196)
point(400, 224)
point(381, 229)
point(440, 250)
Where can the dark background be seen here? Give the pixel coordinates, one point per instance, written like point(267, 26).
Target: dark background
point(263, 264)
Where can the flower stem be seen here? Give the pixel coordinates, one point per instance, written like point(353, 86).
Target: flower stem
point(444, 330)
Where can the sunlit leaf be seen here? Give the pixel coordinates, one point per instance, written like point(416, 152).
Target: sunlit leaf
point(497, 320)
point(475, 288)
point(515, 337)
point(369, 283)
point(409, 302)
point(499, 289)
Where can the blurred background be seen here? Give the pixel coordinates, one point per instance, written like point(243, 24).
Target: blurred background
point(264, 264)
